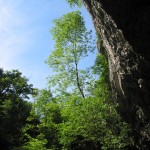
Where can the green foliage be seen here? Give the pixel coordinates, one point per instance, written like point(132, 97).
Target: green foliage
point(14, 85)
point(35, 143)
point(77, 123)
point(45, 119)
point(49, 112)
point(72, 43)
point(46, 108)
point(14, 111)
point(101, 88)
point(94, 121)
point(75, 2)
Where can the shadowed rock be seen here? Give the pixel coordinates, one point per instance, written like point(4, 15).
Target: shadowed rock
point(123, 26)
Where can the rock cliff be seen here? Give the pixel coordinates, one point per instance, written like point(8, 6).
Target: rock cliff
point(123, 27)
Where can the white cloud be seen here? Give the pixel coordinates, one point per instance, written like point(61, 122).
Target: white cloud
point(18, 35)
point(11, 36)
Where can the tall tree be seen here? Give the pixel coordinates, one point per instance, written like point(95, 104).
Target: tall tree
point(72, 43)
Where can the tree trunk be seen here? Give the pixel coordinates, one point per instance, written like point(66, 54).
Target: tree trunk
point(124, 28)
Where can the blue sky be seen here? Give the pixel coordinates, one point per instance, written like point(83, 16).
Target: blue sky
point(24, 35)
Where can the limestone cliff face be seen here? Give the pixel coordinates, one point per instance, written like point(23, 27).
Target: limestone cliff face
point(124, 30)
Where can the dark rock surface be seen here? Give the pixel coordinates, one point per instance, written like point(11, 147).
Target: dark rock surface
point(124, 30)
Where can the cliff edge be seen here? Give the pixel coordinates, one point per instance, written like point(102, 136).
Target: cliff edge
point(123, 28)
